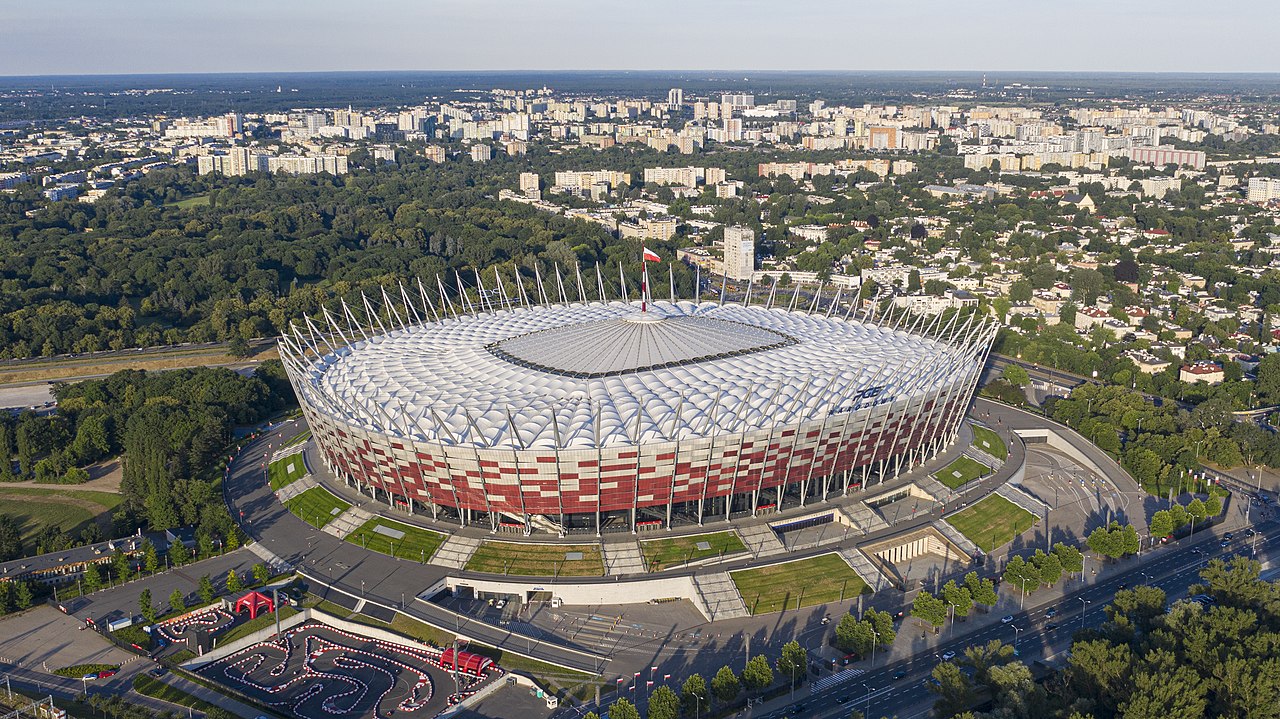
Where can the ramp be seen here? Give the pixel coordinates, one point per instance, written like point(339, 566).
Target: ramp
point(720, 596)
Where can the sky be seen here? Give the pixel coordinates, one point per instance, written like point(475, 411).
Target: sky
point(40, 37)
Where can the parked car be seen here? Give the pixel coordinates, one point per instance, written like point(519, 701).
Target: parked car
point(107, 673)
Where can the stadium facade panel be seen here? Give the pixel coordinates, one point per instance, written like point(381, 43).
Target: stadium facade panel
point(593, 414)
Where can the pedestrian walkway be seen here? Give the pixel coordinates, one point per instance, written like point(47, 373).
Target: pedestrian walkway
point(720, 596)
point(979, 455)
point(832, 680)
point(268, 557)
point(219, 699)
point(622, 558)
point(862, 564)
point(348, 522)
point(456, 551)
point(761, 540)
point(291, 450)
point(293, 489)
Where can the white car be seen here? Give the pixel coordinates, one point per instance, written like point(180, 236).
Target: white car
point(948, 655)
point(1006, 619)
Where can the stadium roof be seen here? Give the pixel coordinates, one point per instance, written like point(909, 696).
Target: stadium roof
point(581, 375)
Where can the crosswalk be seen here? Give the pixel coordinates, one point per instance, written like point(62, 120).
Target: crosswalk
point(832, 680)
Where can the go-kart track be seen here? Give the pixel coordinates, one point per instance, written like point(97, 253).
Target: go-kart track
point(184, 629)
point(314, 671)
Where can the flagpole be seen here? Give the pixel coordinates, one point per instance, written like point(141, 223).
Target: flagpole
point(644, 282)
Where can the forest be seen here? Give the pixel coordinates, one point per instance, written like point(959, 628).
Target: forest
point(172, 429)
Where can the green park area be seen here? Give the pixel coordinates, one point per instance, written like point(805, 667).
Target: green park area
point(397, 539)
point(298, 438)
point(660, 554)
point(793, 585)
point(286, 471)
point(961, 472)
point(538, 560)
point(33, 510)
point(992, 522)
point(988, 441)
point(317, 506)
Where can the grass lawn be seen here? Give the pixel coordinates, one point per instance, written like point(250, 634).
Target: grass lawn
point(416, 544)
point(261, 622)
point(70, 510)
point(415, 629)
point(152, 687)
point(286, 471)
point(537, 560)
point(961, 471)
point(661, 554)
point(315, 506)
point(299, 438)
point(196, 201)
point(992, 522)
point(990, 442)
point(793, 585)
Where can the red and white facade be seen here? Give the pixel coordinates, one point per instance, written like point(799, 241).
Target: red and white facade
point(593, 414)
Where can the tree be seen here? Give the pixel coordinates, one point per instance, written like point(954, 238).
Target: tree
point(1071, 557)
point(1015, 375)
point(237, 346)
point(664, 704)
point(623, 709)
point(929, 609)
point(983, 657)
point(121, 565)
point(146, 607)
point(693, 694)
point(206, 590)
point(260, 573)
point(882, 623)
point(233, 582)
point(982, 590)
point(179, 554)
point(1021, 575)
point(150, 559)
point(793, 662)
point(23, 596)
point(92, 579)
point(1020, 292)
point(958, 598)
point(1050, 568)
point(725, 684)
point(177, 602)
point(756, 675)
point(1161, 524)
point(1196, 509)
point(854, 636)
point(954, 690)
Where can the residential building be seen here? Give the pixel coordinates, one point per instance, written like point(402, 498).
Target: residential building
point(481, 152)
point(529, 185)
point(1207, 372)
point(739, 252)
point(1263, 189)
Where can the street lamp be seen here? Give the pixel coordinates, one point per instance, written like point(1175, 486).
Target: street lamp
point(1083, 608)
point(1016, 633)
point(868, 705)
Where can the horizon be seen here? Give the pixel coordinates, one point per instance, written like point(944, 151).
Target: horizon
point(81, 37)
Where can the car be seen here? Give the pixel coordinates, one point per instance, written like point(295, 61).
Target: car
point(90, 676)
point(826, 619)
point(1224, 543)
point(107, 673)
point(1051, 612)
point(798, 708)
point(842, 700)
point(1228, 536)
point(1051, 626)
point(1006, 619)
point(1197, 550)
point(158, 672)
point(899, 674)
point(1122, 585)
point(948, 655)
point(500, 604)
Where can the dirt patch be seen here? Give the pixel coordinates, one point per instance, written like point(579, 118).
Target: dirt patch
point(70, 370)
point(103, 477)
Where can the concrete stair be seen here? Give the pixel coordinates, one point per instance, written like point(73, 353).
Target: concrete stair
point(933, 488)
point(863, 518)
point(622, 558)
point(1022, 499)
point(298, 448)
point(296, 487)
point(456, 551)
point(761, 541)
point(865, 569)
point(957, 538)
point(719, 596)
point(347, 522)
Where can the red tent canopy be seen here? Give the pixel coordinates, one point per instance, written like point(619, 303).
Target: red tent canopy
point(255, 602)
point(467, 662)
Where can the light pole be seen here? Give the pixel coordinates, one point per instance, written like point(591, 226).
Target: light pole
point(1083, 608)
point(867, 711)
point(1016, 633)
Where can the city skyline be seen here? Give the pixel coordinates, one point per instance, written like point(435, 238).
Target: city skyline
point(81, 37)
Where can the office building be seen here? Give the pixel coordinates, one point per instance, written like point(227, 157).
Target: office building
point(739, 252)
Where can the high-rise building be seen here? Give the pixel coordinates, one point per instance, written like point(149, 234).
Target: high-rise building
point(675, 97)
point(480, 152)
point(738, 101)
point(529, 185)
point(739, 252)
point(1263, 189)
point(434, 153)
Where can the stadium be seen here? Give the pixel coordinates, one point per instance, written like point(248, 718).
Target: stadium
point(605, 414)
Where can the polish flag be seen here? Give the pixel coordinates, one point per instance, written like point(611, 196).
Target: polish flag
point(648, 684)
point(650, 255)
point(621, 680)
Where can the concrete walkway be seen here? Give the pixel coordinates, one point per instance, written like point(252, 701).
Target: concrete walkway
point(720, 595)
point(456, 551)
point(622, 558)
